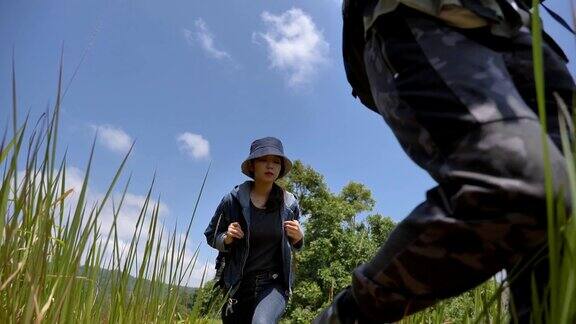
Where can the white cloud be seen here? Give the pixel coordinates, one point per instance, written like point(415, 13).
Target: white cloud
point(73, 181)
point(129, 213)
point(205, 38)
point(196, 275)
point(295, 45)
point(113, 138)
point(194, 145)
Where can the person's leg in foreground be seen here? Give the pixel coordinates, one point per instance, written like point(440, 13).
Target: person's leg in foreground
point(461, 103)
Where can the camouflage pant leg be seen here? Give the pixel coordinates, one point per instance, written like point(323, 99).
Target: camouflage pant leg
point(558, 82)
point(456, 111)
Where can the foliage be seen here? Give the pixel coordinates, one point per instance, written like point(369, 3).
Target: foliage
point(336, 241)
point(209, 300)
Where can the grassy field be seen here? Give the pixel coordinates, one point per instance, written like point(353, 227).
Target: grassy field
point(53, 248)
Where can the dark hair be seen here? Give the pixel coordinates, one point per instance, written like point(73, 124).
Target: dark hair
point(275, 199)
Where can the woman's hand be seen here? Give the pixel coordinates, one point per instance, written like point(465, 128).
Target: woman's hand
point(293, 230)
point(234, 232)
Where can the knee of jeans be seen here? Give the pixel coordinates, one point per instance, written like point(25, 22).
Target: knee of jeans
point(264, 318)
point(261, 320)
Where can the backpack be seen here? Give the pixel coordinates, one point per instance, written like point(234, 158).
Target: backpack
point(220, 264)
point(353, 51)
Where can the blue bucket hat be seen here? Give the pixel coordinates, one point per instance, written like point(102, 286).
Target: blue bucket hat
point(266, 146)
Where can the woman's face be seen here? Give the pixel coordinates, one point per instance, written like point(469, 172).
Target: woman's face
point(266, 168)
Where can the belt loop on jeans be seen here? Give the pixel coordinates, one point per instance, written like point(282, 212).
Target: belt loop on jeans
point(271, 275)
point(265, 275)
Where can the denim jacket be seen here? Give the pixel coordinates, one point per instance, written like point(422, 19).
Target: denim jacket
point(235, 207)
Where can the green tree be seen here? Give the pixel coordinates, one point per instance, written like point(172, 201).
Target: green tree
point(380, 228)
point(336, 242)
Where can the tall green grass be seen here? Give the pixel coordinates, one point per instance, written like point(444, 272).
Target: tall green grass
point(53, 248)
point(558, 304)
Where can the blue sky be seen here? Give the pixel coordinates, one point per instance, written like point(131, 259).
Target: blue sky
point(197, 81)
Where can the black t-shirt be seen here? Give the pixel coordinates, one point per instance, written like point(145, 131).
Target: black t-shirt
point(265, 241)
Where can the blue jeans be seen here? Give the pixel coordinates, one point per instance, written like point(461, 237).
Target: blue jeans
point(259, 299)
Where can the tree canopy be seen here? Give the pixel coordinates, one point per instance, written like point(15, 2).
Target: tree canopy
point(336, 240)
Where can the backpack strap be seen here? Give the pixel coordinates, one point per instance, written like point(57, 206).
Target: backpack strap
point(559, 19)
point(289, 199)
point(234, 210)
point(353, 51)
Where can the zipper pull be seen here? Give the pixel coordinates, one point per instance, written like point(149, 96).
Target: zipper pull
point(231, 302)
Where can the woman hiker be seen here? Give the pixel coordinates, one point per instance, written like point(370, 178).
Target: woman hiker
point(255, 228)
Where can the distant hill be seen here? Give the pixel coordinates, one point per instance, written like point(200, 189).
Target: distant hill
point(104, 282)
